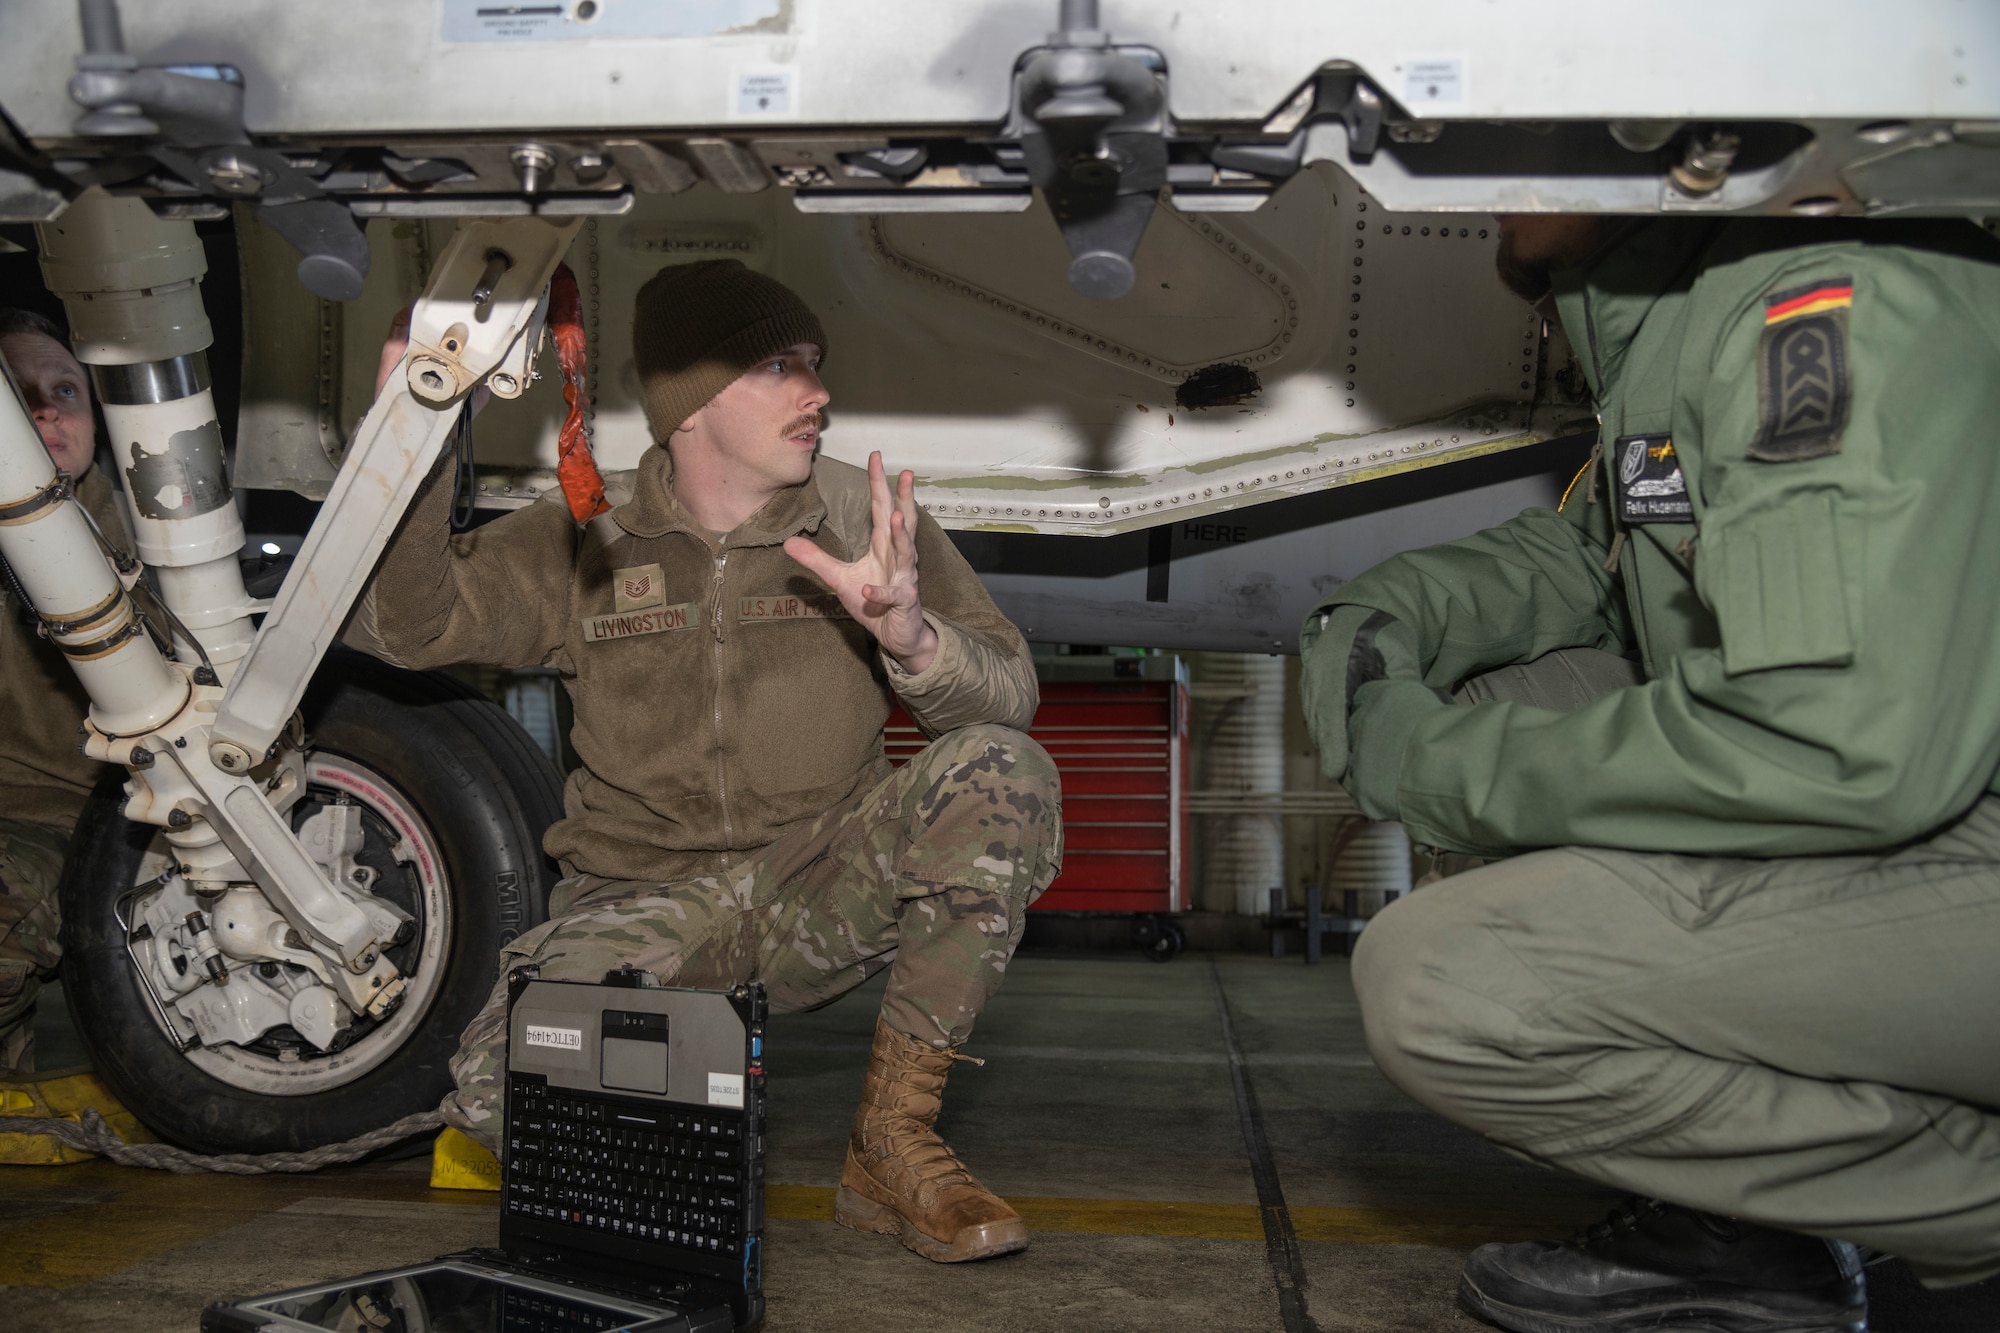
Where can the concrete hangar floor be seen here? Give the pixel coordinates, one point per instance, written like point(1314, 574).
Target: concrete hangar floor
point(1110, 1112)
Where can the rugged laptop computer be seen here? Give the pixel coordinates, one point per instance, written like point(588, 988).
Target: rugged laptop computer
point(632, 1194)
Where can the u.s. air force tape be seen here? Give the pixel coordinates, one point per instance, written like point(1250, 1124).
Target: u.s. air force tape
point(784, 606)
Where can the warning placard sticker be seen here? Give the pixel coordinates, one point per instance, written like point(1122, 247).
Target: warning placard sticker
point(764, 90)
point(1433, 81)
point(582, 20)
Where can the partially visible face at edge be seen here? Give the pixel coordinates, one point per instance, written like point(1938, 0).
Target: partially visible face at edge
point(1534, 245)
point(766, 424)
point(58, 397)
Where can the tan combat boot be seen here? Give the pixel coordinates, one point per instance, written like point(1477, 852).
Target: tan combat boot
point(900, 1179)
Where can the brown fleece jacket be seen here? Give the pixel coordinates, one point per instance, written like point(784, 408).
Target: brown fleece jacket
point(722, 696)
point(43, 776)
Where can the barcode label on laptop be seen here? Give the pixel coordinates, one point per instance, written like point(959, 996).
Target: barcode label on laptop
point(725, 1089)
point(562, 1039)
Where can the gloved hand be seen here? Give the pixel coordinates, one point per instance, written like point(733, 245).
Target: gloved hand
point(1362, 685)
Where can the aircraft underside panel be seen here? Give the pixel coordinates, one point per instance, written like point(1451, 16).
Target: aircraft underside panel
point(334, 69)
point(1315, 343)
point(1242, 582)
point(1173, 276)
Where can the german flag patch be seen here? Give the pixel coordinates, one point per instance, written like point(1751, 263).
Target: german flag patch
point(1802, 372)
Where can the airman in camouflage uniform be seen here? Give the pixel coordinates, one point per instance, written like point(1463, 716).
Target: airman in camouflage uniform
point(733, 634)
point(43, 779)
point(31, 861)
point(951, 849)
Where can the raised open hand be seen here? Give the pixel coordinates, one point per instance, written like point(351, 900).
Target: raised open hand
point(879, 588)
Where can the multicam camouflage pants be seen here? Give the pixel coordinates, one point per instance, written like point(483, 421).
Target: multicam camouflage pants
point(929, 874)
point(31, 861)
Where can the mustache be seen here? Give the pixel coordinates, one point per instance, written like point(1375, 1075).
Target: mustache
point(813, 421)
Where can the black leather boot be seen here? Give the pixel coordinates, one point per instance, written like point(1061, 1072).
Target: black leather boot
point(1659, 1267)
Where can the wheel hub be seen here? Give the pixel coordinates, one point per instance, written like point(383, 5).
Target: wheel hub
point(238, 988)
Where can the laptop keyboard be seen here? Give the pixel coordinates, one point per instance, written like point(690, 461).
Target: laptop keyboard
point(666, 1173)
point(533, 1312)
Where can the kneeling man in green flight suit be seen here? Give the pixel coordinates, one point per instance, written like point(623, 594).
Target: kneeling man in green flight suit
point(732, 635)
point(1731, 713)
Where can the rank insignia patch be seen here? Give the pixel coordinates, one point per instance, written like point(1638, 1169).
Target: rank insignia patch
point(637, 588)
point(1802, 381)
point(1647, 479)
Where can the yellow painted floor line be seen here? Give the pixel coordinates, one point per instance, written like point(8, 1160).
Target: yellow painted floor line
point(139, 1214)
point(97, 1240)
point(1211, 1221)
point(154, 1214)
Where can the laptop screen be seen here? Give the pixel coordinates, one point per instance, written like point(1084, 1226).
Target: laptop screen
point(454, 1297)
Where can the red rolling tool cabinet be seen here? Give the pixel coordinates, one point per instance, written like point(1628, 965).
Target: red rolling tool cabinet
point(1117, 728)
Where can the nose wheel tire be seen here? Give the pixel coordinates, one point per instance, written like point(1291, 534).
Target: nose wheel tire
point(453, 799)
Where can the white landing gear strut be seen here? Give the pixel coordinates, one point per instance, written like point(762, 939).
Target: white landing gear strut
point(208, 732)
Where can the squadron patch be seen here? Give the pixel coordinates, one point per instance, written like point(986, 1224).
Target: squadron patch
point(637, 588)
point(783, 606)
point(1802, 376)
point(1647, 479)
point(596, 629)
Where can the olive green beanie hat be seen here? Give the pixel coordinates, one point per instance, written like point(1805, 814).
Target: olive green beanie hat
point(696, 327)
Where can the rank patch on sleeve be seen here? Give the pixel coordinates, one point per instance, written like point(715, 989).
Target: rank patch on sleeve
point(1647, 478)
point(1802, 388)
